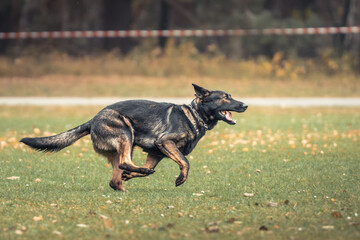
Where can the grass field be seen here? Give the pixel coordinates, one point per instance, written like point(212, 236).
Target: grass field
point(299, 169)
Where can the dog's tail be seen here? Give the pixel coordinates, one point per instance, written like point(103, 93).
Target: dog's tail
point(57, 142)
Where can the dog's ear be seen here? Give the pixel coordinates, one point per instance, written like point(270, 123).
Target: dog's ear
point(200, 92)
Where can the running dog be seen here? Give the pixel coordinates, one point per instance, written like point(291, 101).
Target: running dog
point(160, 129)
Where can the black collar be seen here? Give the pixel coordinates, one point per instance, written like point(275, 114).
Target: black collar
point(198, 116)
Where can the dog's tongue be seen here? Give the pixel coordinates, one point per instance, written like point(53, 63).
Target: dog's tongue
point(228, 116)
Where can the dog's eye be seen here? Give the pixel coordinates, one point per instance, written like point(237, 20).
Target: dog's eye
point(227, 96)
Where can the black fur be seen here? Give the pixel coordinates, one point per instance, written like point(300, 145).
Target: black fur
point(59, 141)
point(160, 129)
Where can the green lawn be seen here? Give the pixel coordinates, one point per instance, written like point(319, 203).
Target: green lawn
point(300, 164)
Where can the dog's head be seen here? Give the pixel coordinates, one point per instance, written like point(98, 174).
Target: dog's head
point(217, 105)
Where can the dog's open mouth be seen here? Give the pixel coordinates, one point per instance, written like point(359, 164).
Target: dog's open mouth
point(228, 117)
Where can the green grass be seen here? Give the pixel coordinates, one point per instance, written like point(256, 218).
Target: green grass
point(305, 160)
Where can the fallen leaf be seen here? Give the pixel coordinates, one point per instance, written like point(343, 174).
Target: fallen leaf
point(336, 214)
point(37, 131)
point(258, 170)
point(169, 225)
point(53, 205)
point(92, 213)
point(57, 232)
point(38, 218)
point(38, 180)
point(103, 217)
point(248, 194)
point(354, 223)
point(212, 224)
point(212, 229)
point(180, 214)
point(19, 232)
point(80, 225)
point(272, 204)
point(170, 207)
point(328, 227)
point(109, 202)
point(108, 223)
point(197, 194)
point(13, 178)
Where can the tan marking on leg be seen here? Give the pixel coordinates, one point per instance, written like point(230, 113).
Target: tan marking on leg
point(116, 182)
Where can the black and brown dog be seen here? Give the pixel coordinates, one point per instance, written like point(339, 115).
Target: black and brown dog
point(160, 129)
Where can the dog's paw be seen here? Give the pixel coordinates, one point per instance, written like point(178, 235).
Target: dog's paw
point(117, 186)
point(125, 176)
point(146, 171)
point(180, 180)
point(130, 168)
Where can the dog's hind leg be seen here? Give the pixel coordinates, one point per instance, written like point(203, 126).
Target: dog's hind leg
point(116, 181)
point(126, 142)
point(151, 162)
point(113, 135)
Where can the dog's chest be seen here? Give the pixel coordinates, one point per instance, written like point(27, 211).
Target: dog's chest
point(187, 145)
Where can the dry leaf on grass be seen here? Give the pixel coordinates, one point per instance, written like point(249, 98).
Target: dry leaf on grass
point(38, 218)
point(336, 214)
point(272, 204)
point(108, 223)
point(81, 225)
point(354, 224)
point(248, 194)
point(13, 178)
point(37, 131)
point(103, 217)
point(197, 194)
point(328, 227)
point(57, 232)
point(212, 229)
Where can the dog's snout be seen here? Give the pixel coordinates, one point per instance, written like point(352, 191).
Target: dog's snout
point(244, 105)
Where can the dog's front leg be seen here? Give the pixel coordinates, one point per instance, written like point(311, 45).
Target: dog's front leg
point(169, 148)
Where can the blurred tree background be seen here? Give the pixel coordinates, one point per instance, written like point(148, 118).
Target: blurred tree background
point(57, 15)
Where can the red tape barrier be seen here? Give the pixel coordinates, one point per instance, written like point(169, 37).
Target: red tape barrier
point(179, 33)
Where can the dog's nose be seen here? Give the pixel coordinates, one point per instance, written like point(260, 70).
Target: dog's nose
point(244, 106)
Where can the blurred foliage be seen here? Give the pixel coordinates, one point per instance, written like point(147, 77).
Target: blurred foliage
point(335, 52)
point(175, 60)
